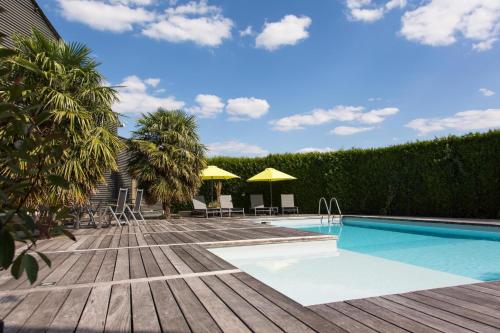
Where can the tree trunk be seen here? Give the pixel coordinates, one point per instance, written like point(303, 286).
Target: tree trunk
point(166, 209)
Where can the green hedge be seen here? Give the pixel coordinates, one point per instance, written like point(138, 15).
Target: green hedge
point(447, 177)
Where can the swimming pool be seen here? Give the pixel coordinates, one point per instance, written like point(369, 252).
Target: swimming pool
point(372, 258)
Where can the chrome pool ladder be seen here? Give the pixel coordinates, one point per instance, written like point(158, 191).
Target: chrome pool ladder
point(328, 206)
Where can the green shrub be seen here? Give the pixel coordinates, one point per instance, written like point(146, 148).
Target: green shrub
point(452, 176)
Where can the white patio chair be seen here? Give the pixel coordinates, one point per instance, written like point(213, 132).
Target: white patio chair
point(288, 204)
point(200, 206)
point(257, 205)
point(226, 204)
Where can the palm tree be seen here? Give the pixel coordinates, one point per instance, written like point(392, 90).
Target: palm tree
point(57, 139)
point(79, 126)
point(167, 157)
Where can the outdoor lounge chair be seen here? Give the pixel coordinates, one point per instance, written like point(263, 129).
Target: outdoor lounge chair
point(288, 204)
point(226, 204)
point(200, 207)
point(257, 205)
point(136, 210)
point(118, 211)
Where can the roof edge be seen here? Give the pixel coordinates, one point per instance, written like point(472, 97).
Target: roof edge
point(44, 17)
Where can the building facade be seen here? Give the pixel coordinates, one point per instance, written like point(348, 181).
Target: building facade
point(20, 17)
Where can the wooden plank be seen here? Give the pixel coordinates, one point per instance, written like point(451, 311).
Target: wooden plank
point(179, 265)
point(119, 313)
point(9, 302)
point(123, 241)
point(93, 317)
point(77, 269)
point(246, 312)
point(169, 313)
point(371, 306)
point(471, 296)
point(340, 319)
point(122, 271)
point(222, 315)
point(137, 270)
point(90, 273)
point(46, 312)
point(307, 316)
point(108, 266)
point(115, 241)
point(164, 264)
point(218, 260)
point(16, 319)
point(143, 309)
point(106, 242)
point(205, 260)
point(192, 262)
point(418, 316)
point(365, 318)
point(458, 310)
point(483, 289)
point(61, 270)
point(68, 315)
point(150, 264)
point(462, 303)
point(441, 314)
point(141, 241)
point(278, 316)
point(198, 318)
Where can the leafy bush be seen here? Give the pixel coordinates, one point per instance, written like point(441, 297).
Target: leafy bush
point(453, 176)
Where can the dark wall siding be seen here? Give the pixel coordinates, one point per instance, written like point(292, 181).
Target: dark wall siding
point(21, 16)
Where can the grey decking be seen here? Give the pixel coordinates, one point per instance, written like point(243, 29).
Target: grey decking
point(159, 277)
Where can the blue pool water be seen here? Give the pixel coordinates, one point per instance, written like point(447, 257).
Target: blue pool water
point(467, 251)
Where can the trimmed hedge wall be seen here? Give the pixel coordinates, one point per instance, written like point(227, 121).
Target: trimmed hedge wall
point(447, 177)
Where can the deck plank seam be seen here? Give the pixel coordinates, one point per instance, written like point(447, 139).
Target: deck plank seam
point(214, 244)
point(117, 282)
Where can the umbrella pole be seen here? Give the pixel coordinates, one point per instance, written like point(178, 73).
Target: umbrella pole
point(212, 191)
point(271, 192)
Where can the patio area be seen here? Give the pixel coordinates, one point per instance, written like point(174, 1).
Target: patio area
point(159, 277)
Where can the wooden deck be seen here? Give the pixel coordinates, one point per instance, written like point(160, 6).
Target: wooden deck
point(159, 277)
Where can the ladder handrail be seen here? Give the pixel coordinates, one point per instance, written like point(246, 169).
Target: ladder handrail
point(337, 203)
point(322, 199)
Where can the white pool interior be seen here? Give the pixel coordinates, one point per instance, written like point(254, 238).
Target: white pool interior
point(318, 272)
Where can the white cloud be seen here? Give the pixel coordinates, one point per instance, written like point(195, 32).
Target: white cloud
point(195, 22)
point(486, 92)
point(208, 106)
point(378, 115)
point(349, 130)
point(104, 16)
point(463, 121)
point(289, 31)
point(153, 82)
point(135, 98)
point(318, 150)
point(134, 2)
point(441, 22)
point(374, 99)
point(248, 31)
point(337, 113)
point(235, 148)
point(194, 8)
point(366, 11)
point(246, 107)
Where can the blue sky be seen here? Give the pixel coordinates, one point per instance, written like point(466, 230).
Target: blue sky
point(284, 76)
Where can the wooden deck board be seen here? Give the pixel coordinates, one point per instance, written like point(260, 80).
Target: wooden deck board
point(133, 278)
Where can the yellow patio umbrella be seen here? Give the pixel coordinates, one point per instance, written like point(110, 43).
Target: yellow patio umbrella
point(213, 172)
point(270, 175)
